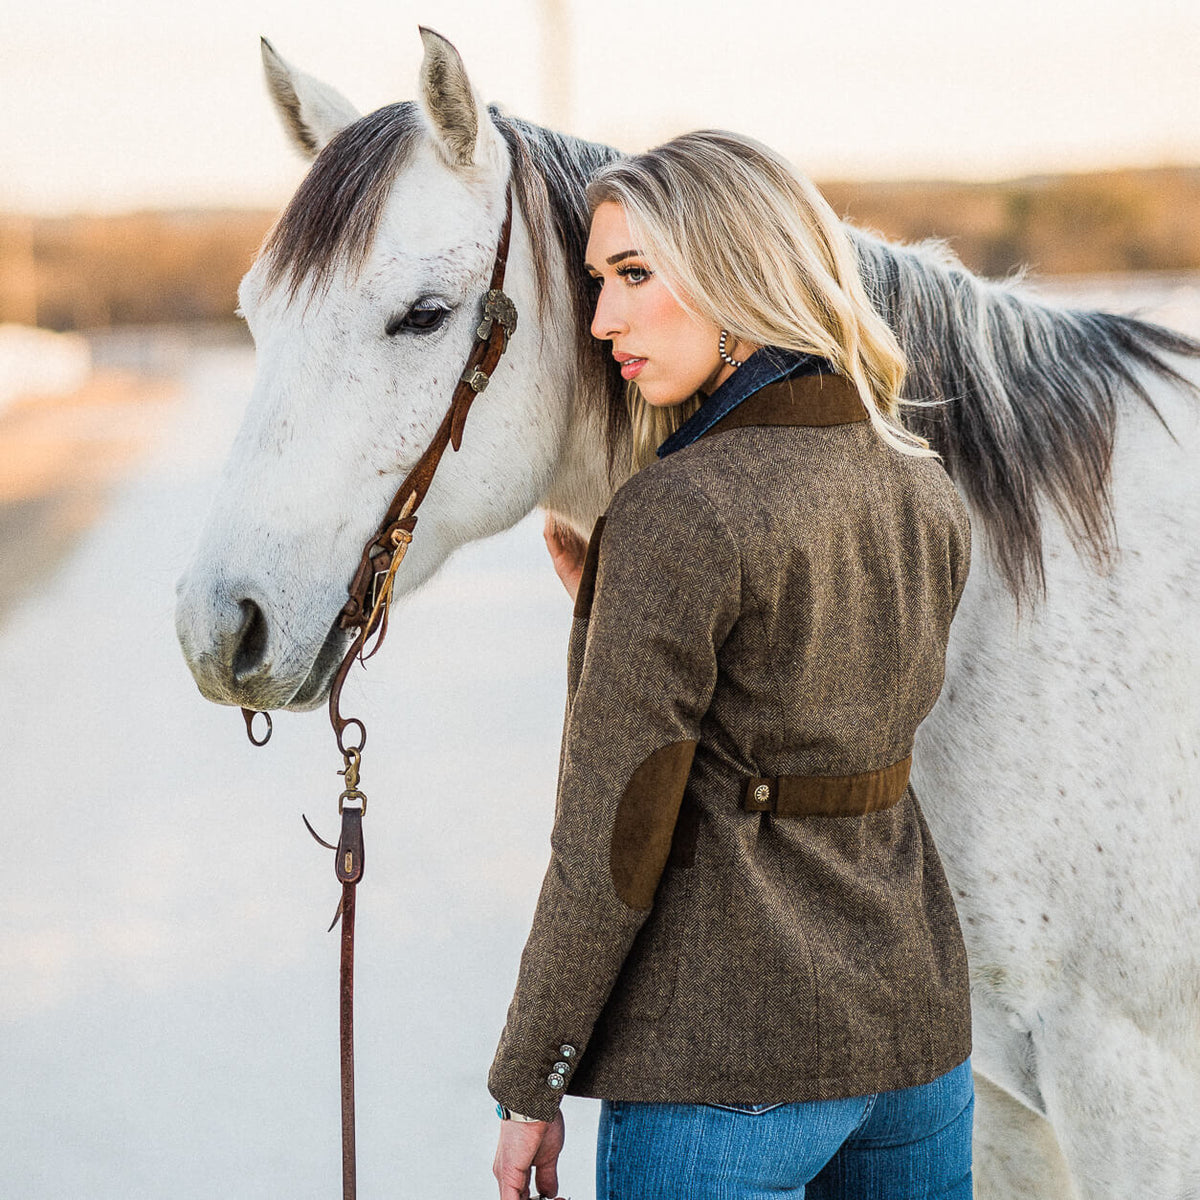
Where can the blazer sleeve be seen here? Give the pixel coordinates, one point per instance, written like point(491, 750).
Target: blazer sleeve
point(667, 592)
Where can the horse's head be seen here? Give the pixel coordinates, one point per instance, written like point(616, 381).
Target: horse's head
point(363, 306)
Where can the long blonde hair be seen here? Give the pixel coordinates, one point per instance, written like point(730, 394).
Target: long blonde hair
point(742, 239)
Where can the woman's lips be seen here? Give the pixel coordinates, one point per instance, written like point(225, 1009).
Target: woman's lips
point(631, 367)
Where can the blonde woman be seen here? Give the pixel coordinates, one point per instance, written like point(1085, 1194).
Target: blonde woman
point(745, 944)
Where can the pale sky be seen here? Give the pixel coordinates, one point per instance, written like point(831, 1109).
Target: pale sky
point(134, 103)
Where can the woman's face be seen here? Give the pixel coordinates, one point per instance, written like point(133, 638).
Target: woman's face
point(670, 353)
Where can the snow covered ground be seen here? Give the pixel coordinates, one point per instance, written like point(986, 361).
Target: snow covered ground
point(168, 1020)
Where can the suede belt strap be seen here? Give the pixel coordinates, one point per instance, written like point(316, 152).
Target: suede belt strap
point(827, 795)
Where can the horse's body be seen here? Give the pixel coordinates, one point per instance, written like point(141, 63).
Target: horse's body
point(1060, 766)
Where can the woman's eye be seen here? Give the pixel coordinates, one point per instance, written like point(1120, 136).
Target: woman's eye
point(628, 274)
point(424, 317)
point(633, 276)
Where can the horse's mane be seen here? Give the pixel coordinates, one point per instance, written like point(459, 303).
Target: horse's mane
point(1032, 390)
point(1032, 387)
point(330, 222)
point(550, 173)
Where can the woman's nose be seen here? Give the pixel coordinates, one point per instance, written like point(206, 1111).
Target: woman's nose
point(608, 321)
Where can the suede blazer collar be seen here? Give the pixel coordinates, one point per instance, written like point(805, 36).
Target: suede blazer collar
point(804, 400)
point(766, 366)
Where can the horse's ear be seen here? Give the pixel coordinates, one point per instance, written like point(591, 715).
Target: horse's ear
point(457, 116)
point(312, 111)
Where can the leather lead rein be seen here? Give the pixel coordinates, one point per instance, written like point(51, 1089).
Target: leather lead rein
point(366, 613)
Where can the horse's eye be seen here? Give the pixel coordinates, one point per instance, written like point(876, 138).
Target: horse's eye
point(424, 317)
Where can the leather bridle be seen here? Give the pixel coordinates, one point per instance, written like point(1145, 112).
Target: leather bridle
point(366, 614)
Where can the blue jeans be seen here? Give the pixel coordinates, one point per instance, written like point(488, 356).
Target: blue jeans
point(909, 1144)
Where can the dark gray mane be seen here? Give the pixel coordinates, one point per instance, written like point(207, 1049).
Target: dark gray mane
point(1030, 388)
point(331, 221)
point(1032, 392)
point(550, 172)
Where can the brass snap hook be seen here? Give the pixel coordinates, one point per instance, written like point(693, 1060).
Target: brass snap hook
point(352, 757)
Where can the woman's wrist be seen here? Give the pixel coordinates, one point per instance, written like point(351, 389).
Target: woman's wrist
point(507, 1114)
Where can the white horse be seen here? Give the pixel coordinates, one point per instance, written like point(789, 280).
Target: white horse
point(1059, 770)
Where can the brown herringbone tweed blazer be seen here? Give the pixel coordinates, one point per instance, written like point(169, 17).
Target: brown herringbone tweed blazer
point(772, 601)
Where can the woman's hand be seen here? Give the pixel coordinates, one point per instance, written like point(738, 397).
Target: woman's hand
point(526, 1144)
point(567, 551)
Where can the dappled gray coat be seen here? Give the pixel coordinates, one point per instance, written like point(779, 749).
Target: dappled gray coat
point(743, 902)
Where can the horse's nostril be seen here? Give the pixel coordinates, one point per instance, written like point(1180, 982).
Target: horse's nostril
point(252, 641)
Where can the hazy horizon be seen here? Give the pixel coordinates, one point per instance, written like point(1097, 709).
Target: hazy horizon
point(216, 207)
point(138, 106)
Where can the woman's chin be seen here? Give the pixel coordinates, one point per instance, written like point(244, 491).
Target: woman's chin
point(662, 397)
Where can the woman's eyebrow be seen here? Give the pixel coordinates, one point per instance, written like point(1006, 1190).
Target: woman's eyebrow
point(613, 259)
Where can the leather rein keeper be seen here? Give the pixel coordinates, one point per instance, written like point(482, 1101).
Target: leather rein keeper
point(366, 614)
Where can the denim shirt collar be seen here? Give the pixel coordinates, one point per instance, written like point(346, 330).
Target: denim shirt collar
point(764, 366)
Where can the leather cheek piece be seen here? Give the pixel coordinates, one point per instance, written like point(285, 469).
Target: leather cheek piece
point(645, 822)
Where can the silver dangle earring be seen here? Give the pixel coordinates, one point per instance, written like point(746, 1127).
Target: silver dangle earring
point(733, 362)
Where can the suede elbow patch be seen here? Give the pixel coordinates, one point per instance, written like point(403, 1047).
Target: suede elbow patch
point(645, 822)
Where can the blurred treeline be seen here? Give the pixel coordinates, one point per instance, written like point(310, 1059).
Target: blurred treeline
point(1129, 220)
point(88, 272)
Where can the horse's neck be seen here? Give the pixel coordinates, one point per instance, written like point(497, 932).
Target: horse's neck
point(581, 490)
